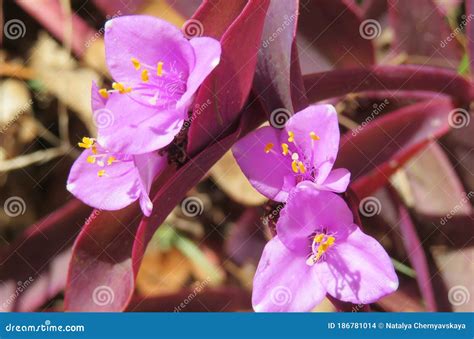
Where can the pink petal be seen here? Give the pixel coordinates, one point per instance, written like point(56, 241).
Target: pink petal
point(270, 173)
point(207, 53)
point(284, 283)
point(148, 39)
point(115, 190)
point(322, 120)
point(337, 181)
point(357, 269)
point(308, 211)
point(133, 128)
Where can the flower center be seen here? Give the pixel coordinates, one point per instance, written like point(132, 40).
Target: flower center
point(101, 160)
point(319, 246)
point(155, 82)
point(299, 165)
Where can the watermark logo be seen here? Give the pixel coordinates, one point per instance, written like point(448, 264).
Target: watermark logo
point(192, 206)
point(14, 29)
point(103, 295)
point(459, 118)
point(458, 295)
point(370, 206)
point(370, 29)
point(279, 117)
point(281, 295)
point(103, 118)
point(192, 28)
point(14, 206)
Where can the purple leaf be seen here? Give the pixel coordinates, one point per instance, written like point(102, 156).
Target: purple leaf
point(372, 153)
point(332, 27)
point(422, 31)
point(33, 268)
point(223, 94)
point(325, 85)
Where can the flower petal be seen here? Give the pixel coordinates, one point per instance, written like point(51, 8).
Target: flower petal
point(337, 181)
point(207, 53)
point(358, 269)
point(284, 283)
point(134, 128)
point(270, 173)
point(308, 211)
point(119, 187)
point(148, 166)
point(147, 39)
point(322, 120)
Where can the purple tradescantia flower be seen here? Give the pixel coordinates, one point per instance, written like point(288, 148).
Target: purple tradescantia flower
point(156, 72)
point(318, 250)
point(275, 161)
point(111, 181)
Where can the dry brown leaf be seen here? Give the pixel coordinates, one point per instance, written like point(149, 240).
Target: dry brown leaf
point(227, 175)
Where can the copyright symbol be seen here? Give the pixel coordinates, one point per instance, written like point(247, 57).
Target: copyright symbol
point(381, 325)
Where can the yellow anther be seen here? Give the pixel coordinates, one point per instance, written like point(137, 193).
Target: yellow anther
point(91, 159)
point(294, 166)
point(136, 63)
point(313, 136)
point(301, 167)
point(268, 147)
point(145, 76)
point(291, 136)
point(284, 149)
point(159, 69)
point(86, 143)
point(118, 86)
point(318, 237)
point(94, 150)
point(330, 240)
point(110, 160)
point(103, 93)
point(100, 173)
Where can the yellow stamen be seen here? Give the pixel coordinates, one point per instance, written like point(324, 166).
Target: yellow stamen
point(91, 159)
point(145, 76)
point(136, 63)
point(100, 173)
point(118, 86)
point(103, 93)
point(291, 136)
point(313, 136)
point(294, 166)
point(94, 150)
point(301, 167)
point(110, 160)
point(330, 240)
point(318, 237)
point(86, 143)
point(268, 147)
point(284, 148)
point(159, 69)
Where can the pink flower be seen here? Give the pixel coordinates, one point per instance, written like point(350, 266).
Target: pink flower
point(275, 161)
point(320, 250)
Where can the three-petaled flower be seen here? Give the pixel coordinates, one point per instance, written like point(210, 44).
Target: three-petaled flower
point(318, 249)
point(275, 161)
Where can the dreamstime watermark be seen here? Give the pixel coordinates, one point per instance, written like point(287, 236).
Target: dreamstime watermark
point(465, 200)
point(279, 117)
point(192, 28)
point(23, 109)
point(101, 31)
point(103, 118)
point(103, 295)
point(287, 21)
point(370, 206)
point(459, 118)
point(458, 30)
point(198, 289)
point(197, 111)
point(14, 29)
point(377, 109)
point(370, 29)
point(281, 296)
point(47, 326)
point(192, 206)
point(21, 287)
point(92, 217)
point(459, 295)
point(272, 215)
point(14, 206)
